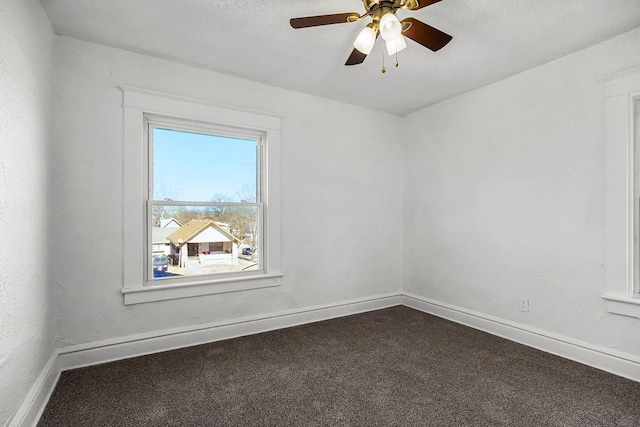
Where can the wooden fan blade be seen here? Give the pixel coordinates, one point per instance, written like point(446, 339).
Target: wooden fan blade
point(315, 21)
point(356, 57)
point(424, 3)
point(426, 35)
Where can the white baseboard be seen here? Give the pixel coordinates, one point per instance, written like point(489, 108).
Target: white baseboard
point(137, 345)
point(619, 363)
point(77, 356)
point(34, 403)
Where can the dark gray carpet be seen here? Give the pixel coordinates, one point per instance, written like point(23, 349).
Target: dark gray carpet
point(392, 367)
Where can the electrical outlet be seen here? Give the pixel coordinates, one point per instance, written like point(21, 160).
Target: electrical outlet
point(524, 305)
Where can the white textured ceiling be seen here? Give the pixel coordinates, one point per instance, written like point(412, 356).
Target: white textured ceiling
point(252, 39)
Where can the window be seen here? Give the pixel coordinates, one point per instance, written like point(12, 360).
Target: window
point(623, 193)
point(205, 200)
point(219, 247)
point(202, 215)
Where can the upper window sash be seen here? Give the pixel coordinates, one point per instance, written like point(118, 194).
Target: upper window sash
point(158, 122)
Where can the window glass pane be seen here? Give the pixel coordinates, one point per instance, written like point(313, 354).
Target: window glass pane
point(200, 240)
point(198, 167)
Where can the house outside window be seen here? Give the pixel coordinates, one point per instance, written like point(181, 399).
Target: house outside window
point(217, 247)
point(202, 216)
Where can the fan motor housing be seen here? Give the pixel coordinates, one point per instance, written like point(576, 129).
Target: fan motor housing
point(373, 5)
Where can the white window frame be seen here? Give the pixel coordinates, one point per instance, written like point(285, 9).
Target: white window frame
point(153, 121)
point(622, 107)
point(139, 104)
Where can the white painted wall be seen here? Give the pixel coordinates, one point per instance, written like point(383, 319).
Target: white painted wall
point(504, 197)
point(338, 185)
point(26, 283)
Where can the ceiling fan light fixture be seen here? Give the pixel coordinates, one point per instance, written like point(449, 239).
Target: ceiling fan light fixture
point(365, 40)
point(390, 26)
point(385, 23)
point(395, 45)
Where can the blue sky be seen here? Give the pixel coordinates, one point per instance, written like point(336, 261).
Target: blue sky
point(197, 167)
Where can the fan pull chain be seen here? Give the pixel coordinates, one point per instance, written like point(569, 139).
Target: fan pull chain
point(384, 69)
point(397, 54)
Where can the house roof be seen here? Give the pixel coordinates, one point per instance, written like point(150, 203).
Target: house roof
point(167, 222)
point(160, 235)
point(194, 227)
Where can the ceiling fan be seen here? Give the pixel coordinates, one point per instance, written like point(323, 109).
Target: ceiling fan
point(384, 23)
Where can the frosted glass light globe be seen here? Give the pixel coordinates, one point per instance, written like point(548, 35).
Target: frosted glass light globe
point(365, 40)
point(390, 26)
point(395, 45)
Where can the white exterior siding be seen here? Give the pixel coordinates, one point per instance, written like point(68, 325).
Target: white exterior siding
point(209, 234)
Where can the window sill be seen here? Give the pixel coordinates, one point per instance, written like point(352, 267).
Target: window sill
point(623, 305)
point(185, 290)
